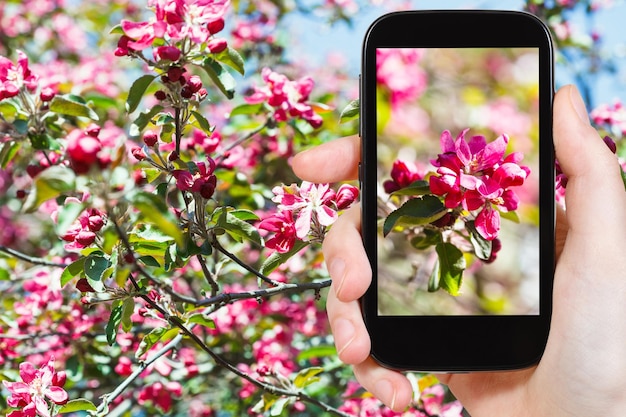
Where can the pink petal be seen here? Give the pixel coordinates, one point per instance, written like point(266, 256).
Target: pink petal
point(477, 143)
point(303, 223)
point(42, 406)
point(488, 223)
point(493, 152)
point(446, 142)
point(326, 215)
point(57, 395)
point(27, 372)
point(463, 151)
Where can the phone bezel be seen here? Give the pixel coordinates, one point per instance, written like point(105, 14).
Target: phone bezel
point(458, 343)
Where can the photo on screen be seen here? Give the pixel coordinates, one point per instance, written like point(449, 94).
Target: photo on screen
point(458, 189)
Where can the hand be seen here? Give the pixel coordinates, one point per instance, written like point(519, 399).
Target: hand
point(583, 369)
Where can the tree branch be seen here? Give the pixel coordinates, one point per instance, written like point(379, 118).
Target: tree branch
point(30, 259)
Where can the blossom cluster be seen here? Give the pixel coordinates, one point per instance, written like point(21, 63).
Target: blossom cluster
point(612, 116)
point(82, 233)
point(305, 212)
point(477, 176)
point(288, 99)
point(398, 70)
point(429, 404)
point(38, 386)
point(197, 22)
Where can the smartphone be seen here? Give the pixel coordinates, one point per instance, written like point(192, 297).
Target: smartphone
point(457, 177)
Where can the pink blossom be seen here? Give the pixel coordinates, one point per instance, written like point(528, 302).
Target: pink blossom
point(613, 116)
point(403, 174)
point(283, 226)
point(310, 202)
point(161, 395)
point(14, 77)
point(476, 175)
point(37, 386)
point(289, 99)
point(202, 182)
point(398, 70)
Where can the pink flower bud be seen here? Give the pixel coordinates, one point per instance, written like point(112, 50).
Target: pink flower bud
point(95, 223)
point(85, 237)
point(160, 95)
point(208, 188)
point(82, 151)
point(83, 286)
point(59, 379)
point(173, 156)
point(346, 195)
point(610, 143)
point(93, 130)
point(217, 45)
point(138, 154)
point(202, 93)
point(174, 73)
point(186, 92)
point(194, 83)
point(47, 94)
point(170, 53)
point(215, 26)
point(150, 138)
point(20, 194)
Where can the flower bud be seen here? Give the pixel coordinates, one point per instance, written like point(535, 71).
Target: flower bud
point(95, 223)
point(186, 92)
point(20, 194)
point(160, 95)
point(85, 237)
point(47, 94)
point(215, 26)
point(194, 83)
point(93, 130)
point(170, 53)
point(217, 45)
point(610, 143)
point(173, 156)
point(138, 154)
point(150, 138)
point(83, 286)
point(174, 73)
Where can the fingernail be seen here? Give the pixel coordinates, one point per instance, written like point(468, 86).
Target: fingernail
point(578, 104)
point(385, 392)
point(337, 269)
point(343, 332)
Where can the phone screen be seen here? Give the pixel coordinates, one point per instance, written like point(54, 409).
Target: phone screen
point(457, 155)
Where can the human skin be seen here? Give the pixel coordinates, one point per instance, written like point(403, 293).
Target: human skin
point(583, 369)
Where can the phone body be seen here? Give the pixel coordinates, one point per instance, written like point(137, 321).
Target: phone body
point(458, 224)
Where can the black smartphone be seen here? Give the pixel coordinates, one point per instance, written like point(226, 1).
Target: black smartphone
point(457, 177)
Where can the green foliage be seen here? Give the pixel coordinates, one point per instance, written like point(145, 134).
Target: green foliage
point(416, 211)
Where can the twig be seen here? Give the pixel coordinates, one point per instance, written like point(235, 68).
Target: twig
point(208, 275)
point(31, 259)
point(109, 398)
point(219, 247)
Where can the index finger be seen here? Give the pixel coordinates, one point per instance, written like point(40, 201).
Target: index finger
point(333, 161)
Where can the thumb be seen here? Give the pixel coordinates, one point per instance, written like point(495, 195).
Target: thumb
point(595, 197)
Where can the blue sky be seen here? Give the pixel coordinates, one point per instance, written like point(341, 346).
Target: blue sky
point(318, 39)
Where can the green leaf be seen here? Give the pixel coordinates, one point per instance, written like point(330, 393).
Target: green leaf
point(482, 246)
point(220, 77)
point(417, 188)
point(43, 141)
point(95, 266)
point(238, 229)
point(128, 308)
point(154, 210)
point(451, 267)
point(279, 405)
point(150, 340)
point(320, 351)
point(72, 270)
point(49, 184)
point(426, 239)
point(202, 122)
point(8, 152)
point(433, 281)
point(201, 320)
point(143, 120)
point(307, 376)
point(114, 322)
point(79, 404)
point(8, 110)
point(137, 91)
point(276, 259)
point(351, 111)
point(64, 105)
point(510, 215)
point(415, 212)
point(232, 58)
point(246, 109)
point(149, 261)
